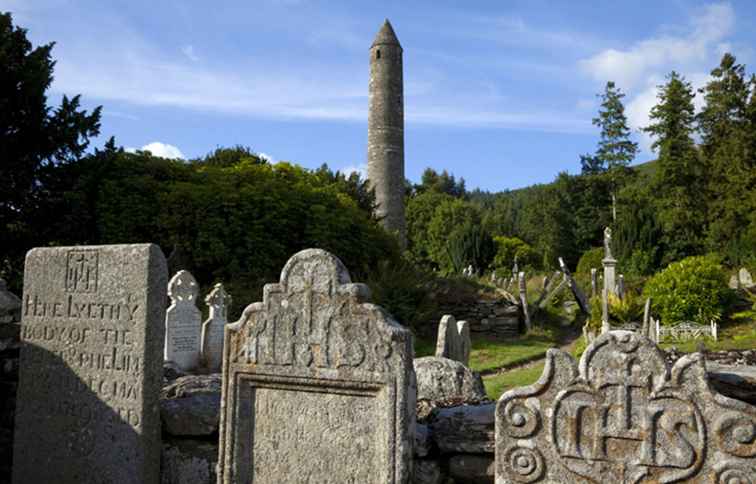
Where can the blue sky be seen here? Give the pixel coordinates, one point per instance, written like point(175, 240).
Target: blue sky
point(499, 92)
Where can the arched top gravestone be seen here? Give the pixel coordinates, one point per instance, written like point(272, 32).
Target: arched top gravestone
point(623, 416)
point(318, 384)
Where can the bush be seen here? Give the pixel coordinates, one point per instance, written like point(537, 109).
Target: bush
point(591, 259)
point(694, 288)
point(507, 248)
point(404, 291)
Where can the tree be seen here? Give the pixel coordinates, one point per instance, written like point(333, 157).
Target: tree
point(33, 138)
point(679, 178)
point(727, 123)
point(442, 183)
point(615, 149)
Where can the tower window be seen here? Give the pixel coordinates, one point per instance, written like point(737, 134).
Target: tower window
point(378, 54)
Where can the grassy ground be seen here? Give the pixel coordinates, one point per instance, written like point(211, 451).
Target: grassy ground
point(499, 383)
point(489, 353)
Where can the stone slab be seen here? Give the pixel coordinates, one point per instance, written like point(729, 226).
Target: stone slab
point(218, 301)
point(183, 322)
point(453, 339)
point(623, 416)
point(91, 365)
point(318, 384)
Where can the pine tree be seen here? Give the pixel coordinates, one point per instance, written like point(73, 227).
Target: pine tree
point(679, 179)
point(727, 123)
point(615, 149)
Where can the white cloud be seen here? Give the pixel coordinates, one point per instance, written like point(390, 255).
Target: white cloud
point(266, 157)
point(359, 169)
point(631, 67)
point(641, 68)
point(188, 51)
point(162, 150)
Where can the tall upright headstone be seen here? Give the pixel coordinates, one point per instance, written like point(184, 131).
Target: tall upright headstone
point(91, 365)
point(609, 263)
point(594, 282)
point(183, 322)
point(621, 415)
point(453, 339)
point(386, 130)
point(318, 384)
point(218, 301)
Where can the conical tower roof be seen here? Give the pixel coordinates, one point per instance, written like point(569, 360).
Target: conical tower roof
point(386, 35)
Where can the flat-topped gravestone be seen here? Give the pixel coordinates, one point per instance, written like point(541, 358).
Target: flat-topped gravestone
point(91, 367)
point(217, 301)
point(318, 384)
point(453, 340)
point(623, 416)
point(183, 322)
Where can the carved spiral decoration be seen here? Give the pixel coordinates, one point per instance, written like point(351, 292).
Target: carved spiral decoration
point(737, 435)
point(735, 476)
point(522, 464)
point(522, 421)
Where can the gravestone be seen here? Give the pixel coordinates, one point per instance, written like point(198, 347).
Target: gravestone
point(594, 282)
point(744, 278)
point(318, 384)
point(91, 367)
point(453, 340)
point(183, 322)
point(522, 286)
point(218, 301)
point(623, 416)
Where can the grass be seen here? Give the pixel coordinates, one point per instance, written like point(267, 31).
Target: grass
point(489, 353)
point(501, 382)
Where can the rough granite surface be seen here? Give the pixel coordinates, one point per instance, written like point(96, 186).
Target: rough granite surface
point(91, 365)
point(318, 384)
point(623, 416)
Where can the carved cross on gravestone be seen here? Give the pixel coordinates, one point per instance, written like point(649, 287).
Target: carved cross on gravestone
point(183, 322)
point(218, 301)
point(623, 416)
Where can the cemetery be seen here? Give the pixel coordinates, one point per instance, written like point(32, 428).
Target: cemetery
point(230, 320)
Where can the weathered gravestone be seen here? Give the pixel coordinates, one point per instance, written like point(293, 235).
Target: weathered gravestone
point(622, 416)
point(91, 366)
point(453, 340)
point(183, 322)
point(10, 305)
point(212, 330)
point(318, 384)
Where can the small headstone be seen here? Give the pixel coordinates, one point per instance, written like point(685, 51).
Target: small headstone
point(91, 367)
point(622, 416)
point(183, 322)
point(621, 287)
point(453, 340)
point(745, 279)
point(318, 384)
point(218, 301)
point(594, 282)
point(646, 328)
point(10, 305)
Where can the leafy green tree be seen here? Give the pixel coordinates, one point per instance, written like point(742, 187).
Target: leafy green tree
point(680, 175)
point(450, 216)
point(419, 212)
point(443, 182)
point(510, 248)
point(727, 123)
point(33, 138)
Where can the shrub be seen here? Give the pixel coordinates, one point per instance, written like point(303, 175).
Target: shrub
point(404, 291)
point(694, 288)
point(591, 259)
point(507, 248)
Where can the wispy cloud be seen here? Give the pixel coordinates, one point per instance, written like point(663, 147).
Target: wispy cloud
point(640, 68)
point(188, 51)
point(359, 169)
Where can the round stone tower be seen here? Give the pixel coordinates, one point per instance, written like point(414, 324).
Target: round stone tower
point(386, 130)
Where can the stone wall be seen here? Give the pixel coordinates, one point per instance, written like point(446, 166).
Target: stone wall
point(495, 317)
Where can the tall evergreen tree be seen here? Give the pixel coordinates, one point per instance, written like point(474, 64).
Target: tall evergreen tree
point(679, 179)
point(33, 138)
point(615, 149)
point(727, 123)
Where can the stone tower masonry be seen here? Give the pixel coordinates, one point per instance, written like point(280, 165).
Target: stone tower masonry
point(386, 130)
